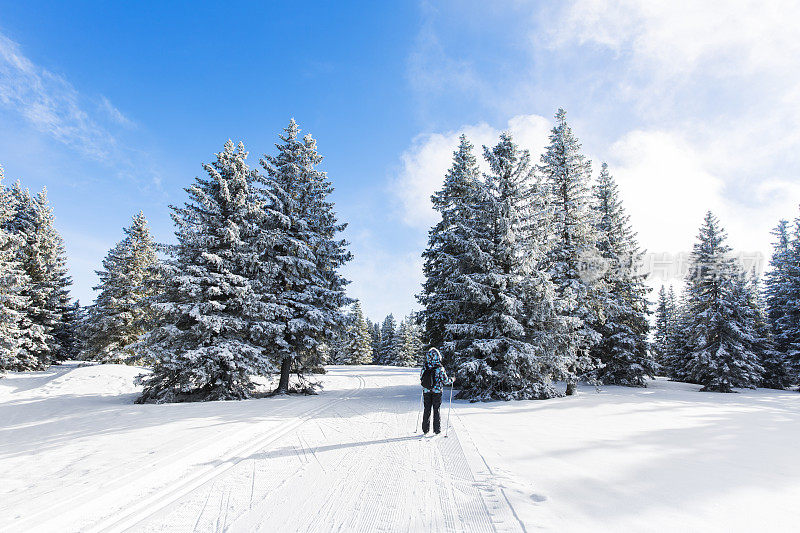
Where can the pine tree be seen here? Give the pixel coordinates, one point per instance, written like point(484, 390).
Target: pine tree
point(777, 287)
point(782, 290)
point(674, 314)
point(73, 326)
point(720, 352)
point(788, 324)
point(59, 302)
point(360, 346)
point(9, 315)
point(407, 348)
point(775, 374)
point(410, 353)
point(375, 332)
point(337, 348)
point(750, 316)
point(42, 257)
point(623, 349)
point(306, 251)
point(387, 339)
point(14, 323)
point(511, 344)
point(213, 324)
point(573, 255)
point(398, 344)
point(663, 322)
point(445, 296)
point(121, 313)
point(677, 341)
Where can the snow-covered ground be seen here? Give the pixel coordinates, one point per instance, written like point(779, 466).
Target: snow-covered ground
point(77, 455)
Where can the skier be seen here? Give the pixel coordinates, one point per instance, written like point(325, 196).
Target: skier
point(433, 378)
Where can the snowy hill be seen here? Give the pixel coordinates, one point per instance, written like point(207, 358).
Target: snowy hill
point(77, 454)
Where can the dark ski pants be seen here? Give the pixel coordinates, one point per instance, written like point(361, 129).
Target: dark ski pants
point(432, 399)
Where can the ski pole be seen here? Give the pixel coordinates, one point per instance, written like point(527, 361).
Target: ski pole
point(449, 410)
point(419, 412)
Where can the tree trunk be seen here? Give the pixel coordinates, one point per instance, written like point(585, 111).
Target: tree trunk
point(571, 387)
point(286, 367)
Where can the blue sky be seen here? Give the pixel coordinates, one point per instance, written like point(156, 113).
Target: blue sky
point(115, 106)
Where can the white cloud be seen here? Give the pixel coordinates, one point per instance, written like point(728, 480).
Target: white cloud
point(425, 163)
point(667, 184)
point(50, 103)
point(115, 114)
point(385, 280)
point(677, 37)
point(431, 70)
point(664, 187)
point(703, 98)
point(716, 87)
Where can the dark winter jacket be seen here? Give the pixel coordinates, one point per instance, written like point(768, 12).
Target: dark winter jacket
point(433, 360)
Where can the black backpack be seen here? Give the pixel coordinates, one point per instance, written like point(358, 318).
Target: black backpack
point(428, 377)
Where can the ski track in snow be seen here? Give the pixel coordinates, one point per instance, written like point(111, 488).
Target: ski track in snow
point(352, 466)
point(345, 460)
point(111, 482)
point(77, 455)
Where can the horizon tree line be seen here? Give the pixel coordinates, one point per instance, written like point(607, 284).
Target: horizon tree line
point(531, 278)
point(363, 342)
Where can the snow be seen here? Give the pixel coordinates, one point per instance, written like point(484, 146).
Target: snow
point(665, 458)
point(77, 455)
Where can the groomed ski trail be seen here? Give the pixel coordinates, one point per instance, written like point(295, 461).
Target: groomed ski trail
point(146, 507)
point(352, 465)
point(50, 517)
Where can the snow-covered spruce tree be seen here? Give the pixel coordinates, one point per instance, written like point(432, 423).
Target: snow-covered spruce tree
point(13, 320)
point(306, 252)
point(663, 323)
point(336, 348)
point(623, 349)
point(449, 242)
point(213, 325)
point(9, 313)
point(121, 312)
point(42, 257)
point(360, 347)
point(387, 339)
point(677, 342)
point(789, 323)
point(674, 310)
point(375, 333)
point(720, 352)
point(776, 285)
point(59, 304)
point(750, 313)
point(511, 342)
point(665, 344)
point(774, 375)
point(781, 290)
point(73, 330)
point(414, 347)
point(407, 349)
point(398, 344)
point(573, 258)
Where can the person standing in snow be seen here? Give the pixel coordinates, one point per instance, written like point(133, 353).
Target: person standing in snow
point(433, 378)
